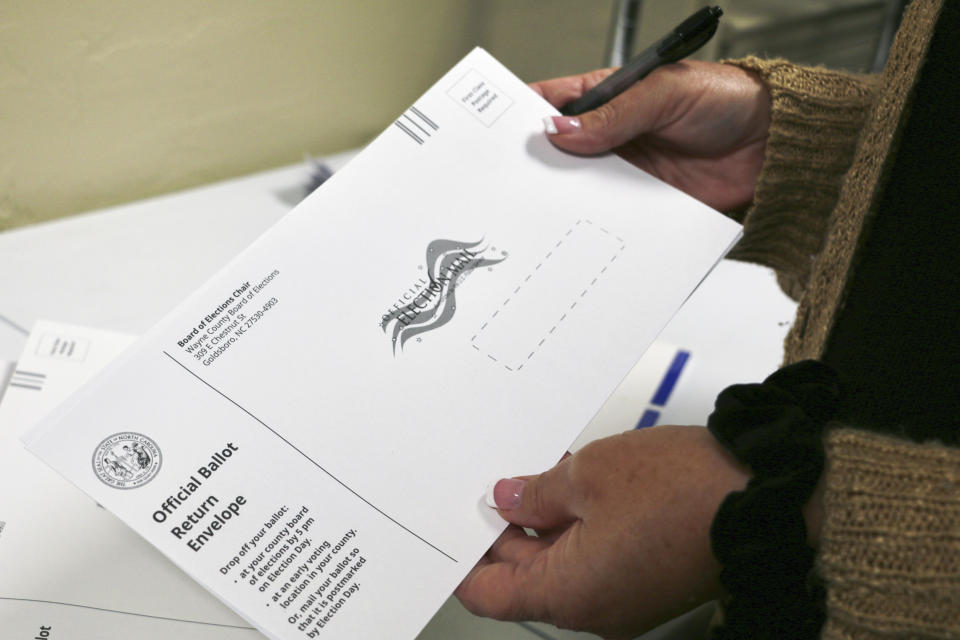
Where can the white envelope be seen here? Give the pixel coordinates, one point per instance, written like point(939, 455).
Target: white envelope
point(309, 434)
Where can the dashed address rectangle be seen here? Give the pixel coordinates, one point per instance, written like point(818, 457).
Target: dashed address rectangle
point(558, 286)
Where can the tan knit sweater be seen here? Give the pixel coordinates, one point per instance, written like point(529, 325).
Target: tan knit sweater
point(890, 543)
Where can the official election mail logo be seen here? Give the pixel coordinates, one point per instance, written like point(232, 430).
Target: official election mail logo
point(431, 302)
point(127, 460)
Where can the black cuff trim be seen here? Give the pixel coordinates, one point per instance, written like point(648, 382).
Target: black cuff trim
point(759, 534)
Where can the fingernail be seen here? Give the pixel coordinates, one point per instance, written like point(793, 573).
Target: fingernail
point(560, 124)
point(505, 494)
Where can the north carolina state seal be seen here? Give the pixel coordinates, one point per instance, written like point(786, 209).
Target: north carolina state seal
point(127, 460)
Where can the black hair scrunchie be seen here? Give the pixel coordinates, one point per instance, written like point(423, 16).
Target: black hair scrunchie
point(759, 534)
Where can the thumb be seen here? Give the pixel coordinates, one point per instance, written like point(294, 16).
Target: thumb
point(538, 502)
point(631, 114)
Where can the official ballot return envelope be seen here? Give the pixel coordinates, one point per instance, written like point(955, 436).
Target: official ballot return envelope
point(309, 434)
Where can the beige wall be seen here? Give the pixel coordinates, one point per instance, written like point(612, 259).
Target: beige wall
point(106, 102)
point(540, 39)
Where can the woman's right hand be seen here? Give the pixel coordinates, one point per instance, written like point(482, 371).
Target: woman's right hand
point(624, 535)
point(699, 126)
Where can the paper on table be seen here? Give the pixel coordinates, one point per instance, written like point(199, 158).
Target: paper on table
point(56, 359)
point(310, 433)
point(65, 563)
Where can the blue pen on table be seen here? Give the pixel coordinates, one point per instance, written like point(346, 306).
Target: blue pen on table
point(687, 37)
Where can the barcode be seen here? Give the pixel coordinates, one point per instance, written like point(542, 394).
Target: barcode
point(63, 347)
point(416, 124)
point(27, 380)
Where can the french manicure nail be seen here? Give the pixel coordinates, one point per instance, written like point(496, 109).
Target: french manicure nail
point(489, 496)
point(560, 124)
point(505, 494)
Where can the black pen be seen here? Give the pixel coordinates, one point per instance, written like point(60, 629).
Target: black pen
point(687, 37)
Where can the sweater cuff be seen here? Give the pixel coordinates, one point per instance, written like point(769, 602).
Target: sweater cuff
point(890, 544)
point(816, 118)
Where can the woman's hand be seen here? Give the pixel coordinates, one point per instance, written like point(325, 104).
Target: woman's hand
point(699, 126)
point(624, 535)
